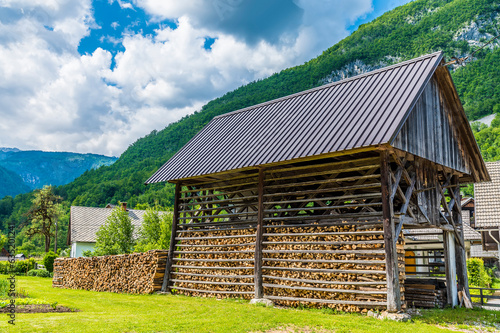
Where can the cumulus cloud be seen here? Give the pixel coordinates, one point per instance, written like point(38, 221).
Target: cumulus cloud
point(54, 98)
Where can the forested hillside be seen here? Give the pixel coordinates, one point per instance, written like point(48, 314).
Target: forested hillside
point(11, 183)
point(456, 27)
point(37, 168)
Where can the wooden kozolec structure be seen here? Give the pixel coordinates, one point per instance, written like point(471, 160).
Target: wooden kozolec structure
point(302, 200)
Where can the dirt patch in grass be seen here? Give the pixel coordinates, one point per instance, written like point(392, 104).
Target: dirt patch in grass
point(38, 308)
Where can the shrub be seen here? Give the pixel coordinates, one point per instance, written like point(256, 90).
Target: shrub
point(20, 267)
point(48, 261)
point(478, 276)
point(39, 273)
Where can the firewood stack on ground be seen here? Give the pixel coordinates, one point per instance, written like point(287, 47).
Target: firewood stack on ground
point(343, 265)
point(216, 263)
point(137, 273)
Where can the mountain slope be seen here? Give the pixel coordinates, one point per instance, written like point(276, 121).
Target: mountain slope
point(456, 27)
point(11, 183)
point(38, 168)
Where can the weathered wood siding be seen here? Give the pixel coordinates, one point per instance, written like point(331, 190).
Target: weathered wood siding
point(428, 133)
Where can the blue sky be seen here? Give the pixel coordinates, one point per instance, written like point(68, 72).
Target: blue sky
point(95, 75)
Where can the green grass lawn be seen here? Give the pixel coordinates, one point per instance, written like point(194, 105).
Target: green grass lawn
point(109, 312)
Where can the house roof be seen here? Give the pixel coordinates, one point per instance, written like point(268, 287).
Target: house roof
point(363, 111)
point(86, 221)
point(487, 198)
point(470, 234)
point(476, 251)
point(466, 200)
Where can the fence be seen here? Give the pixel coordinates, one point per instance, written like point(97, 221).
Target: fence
point(483, 298)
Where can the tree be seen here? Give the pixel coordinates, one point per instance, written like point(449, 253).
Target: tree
point(43, 215)
point(155, 231)
point(115, 236)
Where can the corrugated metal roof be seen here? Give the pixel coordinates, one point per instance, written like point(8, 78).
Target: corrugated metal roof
point(362, 111)
point(487, 198)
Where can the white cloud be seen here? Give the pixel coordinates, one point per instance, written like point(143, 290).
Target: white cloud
point(56, 99)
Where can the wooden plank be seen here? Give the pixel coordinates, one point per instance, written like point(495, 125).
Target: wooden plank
point(450, 268)
point(328, 243)
point(360, 161)
point(321, 270)
point(213, 260)
point(213, 252)
point(324, 181)
point(215, 291)
point(331, 170)
point(326, 261)
point(333, 233)
point(214, 245)
point(322, 217)
point(259, 291)
point(219, 216)
point(350, 283)
point(322, 224)
point(213, 282)
point(327, 251)
point(214, 229)
point(328, 301)
point(215, 195)
point(355, 205)
point(214, 237)
point(212, 276)
point(175, 220)
point(345, 291)
point(341, 197)
point(391, 256)
point(325, 190)
point(214, 267)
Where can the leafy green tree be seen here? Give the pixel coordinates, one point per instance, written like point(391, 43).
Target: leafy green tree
point(115, 236)
point(155, 231)
point(43, 215)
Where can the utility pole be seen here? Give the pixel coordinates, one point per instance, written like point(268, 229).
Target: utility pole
point(55, 240)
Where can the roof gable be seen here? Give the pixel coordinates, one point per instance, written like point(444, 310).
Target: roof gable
point(86, 221)
point(360, 112)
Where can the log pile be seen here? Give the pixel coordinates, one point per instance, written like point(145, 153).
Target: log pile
point(137, 273)
point(340, 266)
point(425, 293)
point(215, 263)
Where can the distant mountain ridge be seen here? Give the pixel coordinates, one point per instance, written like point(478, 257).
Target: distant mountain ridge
point(23, 171)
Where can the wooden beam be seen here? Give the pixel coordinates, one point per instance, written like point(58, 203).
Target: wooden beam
point(259, 290)
point(463, 280)
point(175, 220)
point(450, 268)
point(391, 255)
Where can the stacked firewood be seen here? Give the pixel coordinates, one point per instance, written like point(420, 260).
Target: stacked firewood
point(215, 263)
point(138, 273)
point(425, 293)
point(350, 254)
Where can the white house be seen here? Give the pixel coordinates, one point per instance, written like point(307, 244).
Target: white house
point(86, 221)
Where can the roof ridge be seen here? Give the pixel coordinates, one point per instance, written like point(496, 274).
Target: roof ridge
point(128, 209)
point(325, 86)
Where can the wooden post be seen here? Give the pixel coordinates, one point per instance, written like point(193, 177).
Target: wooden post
point(166, 278)
point(450, 267)
point(463, 280)
point(259, 291)
point(391, 255)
